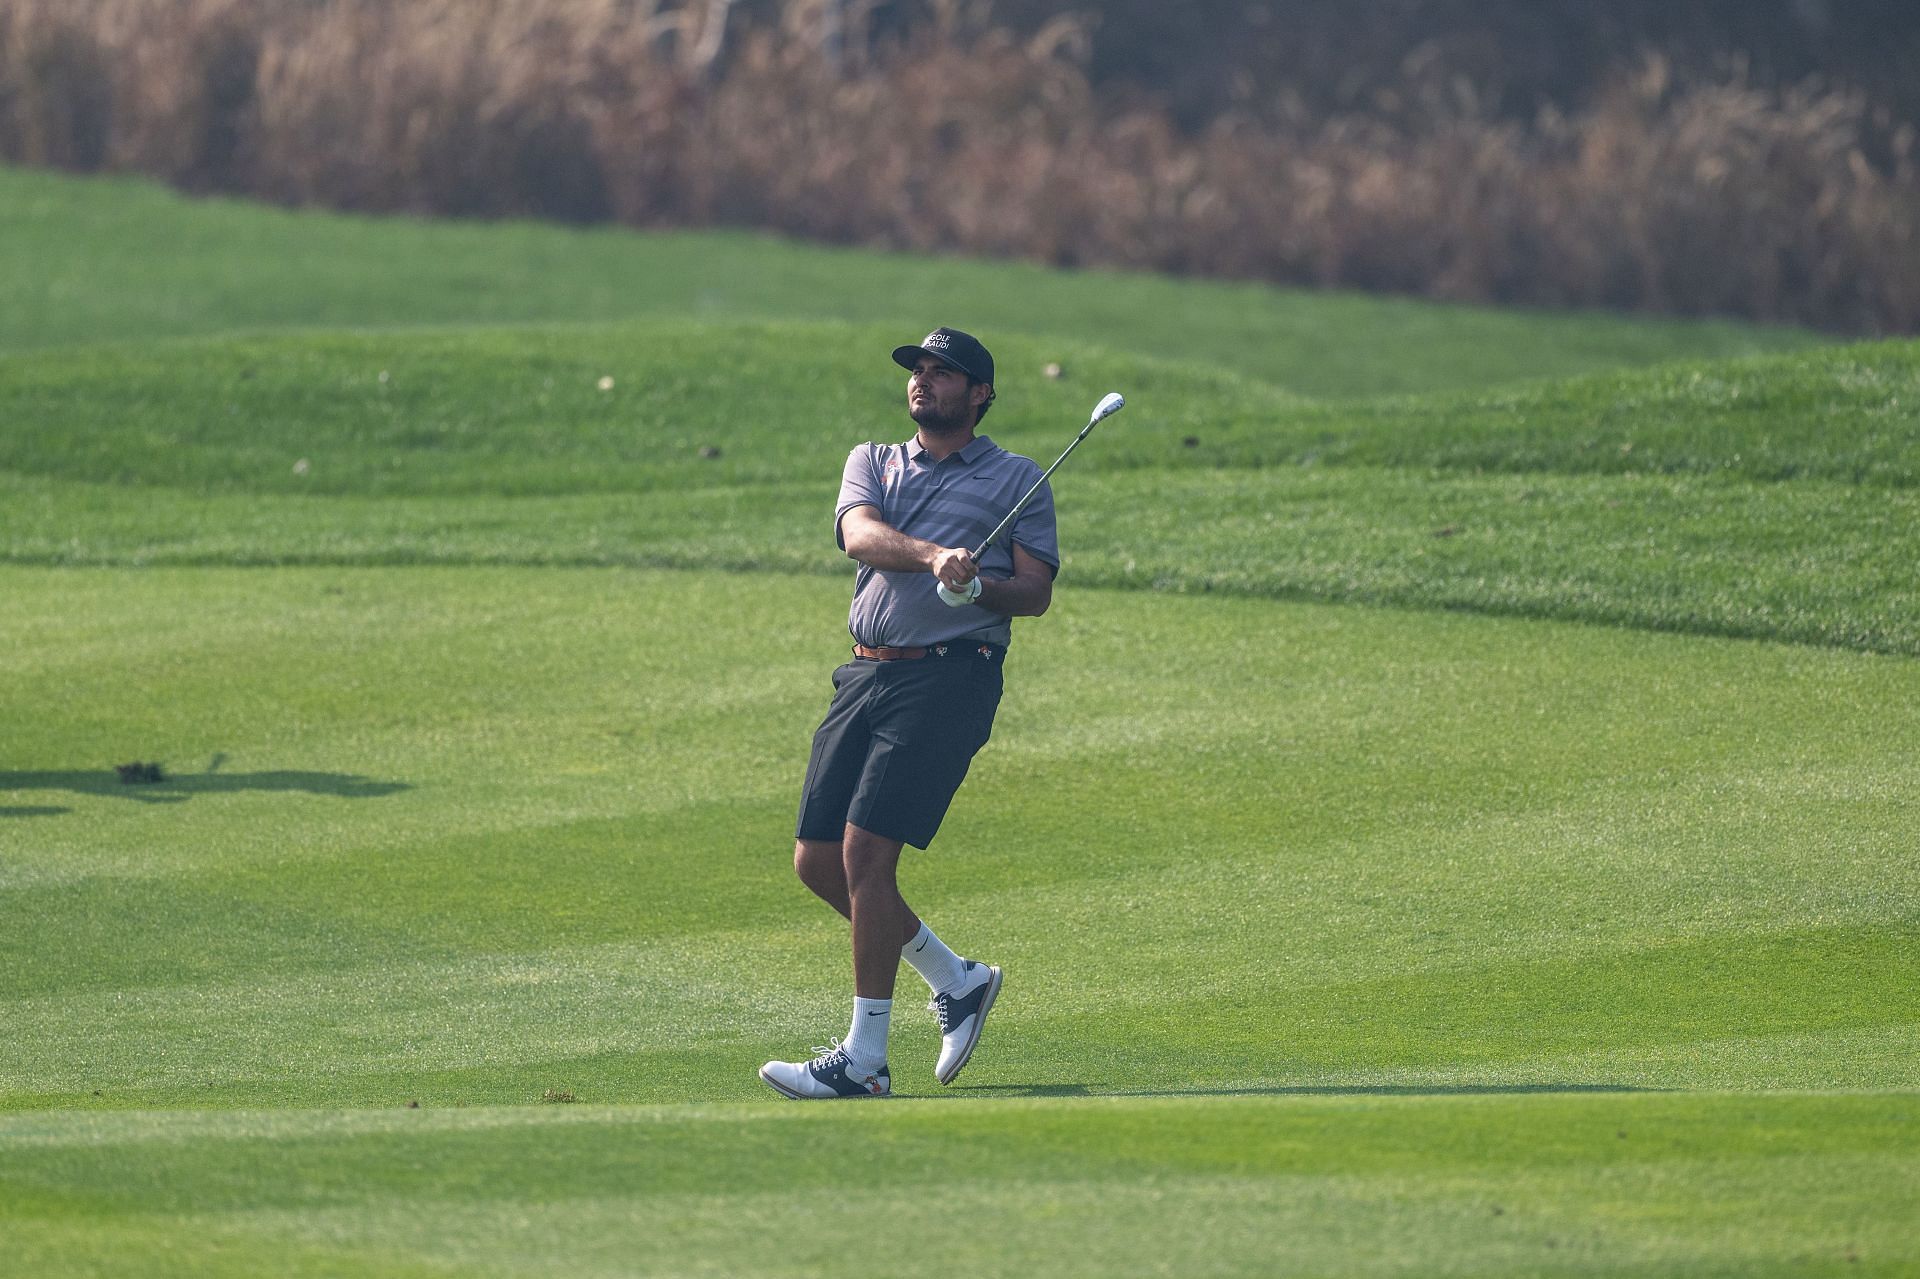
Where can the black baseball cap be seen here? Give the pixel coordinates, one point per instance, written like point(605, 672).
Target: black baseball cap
point(962, 350)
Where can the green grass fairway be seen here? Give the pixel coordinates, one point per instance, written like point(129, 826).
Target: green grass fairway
point(1331, 934)
point(1458, 818)
point(1416, 1183)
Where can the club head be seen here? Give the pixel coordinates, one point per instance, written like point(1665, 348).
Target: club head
point(1112, 402)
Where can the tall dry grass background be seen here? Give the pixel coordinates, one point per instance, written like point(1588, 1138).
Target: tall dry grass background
point(1703, 197)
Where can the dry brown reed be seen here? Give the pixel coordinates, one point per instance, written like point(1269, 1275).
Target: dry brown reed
point(1699, 198)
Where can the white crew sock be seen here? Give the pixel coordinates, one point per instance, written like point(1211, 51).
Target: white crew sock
point(943, 970)
point(866, 1043)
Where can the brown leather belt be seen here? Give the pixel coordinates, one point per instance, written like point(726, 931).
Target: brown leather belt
point(958, 648)
point(885, 654)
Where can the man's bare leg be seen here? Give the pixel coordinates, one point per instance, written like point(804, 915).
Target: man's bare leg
point(869, 899)
point(882, 920)
point(821, 865)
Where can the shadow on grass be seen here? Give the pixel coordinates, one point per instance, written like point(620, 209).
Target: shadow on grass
point(1300, 1090)
point(179, 789)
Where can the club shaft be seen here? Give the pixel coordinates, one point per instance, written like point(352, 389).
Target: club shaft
point(1021, 505)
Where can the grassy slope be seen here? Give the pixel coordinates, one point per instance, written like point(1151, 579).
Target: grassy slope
point(1772, 497)
point(1467, 945)
point(87, 261)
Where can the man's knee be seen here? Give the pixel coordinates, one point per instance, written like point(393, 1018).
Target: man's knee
point(818, 864)
point(869, 860)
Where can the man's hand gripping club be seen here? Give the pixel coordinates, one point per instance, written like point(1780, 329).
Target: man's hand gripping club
point(959, 575)
point(957, 594)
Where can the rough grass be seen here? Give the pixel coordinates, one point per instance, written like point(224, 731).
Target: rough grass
point(99, 259)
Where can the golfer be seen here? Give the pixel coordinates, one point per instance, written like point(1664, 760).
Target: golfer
point(918, 698)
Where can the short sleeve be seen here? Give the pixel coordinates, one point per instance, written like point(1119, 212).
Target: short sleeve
point(1035, 529)
point(861, 484)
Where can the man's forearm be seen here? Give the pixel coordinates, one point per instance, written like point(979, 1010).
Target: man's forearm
point(1015, 596)
point(878, 544)
point(882, 546)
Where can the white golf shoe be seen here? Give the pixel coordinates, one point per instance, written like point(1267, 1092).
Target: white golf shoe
point(962, 1015)
point(829, 1075)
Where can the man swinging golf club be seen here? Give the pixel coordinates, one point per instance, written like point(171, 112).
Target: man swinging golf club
point(931, 622)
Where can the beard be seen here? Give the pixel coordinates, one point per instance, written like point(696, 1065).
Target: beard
point(941, 419)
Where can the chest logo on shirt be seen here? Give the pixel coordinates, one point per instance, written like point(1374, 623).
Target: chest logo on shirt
point(892, 472)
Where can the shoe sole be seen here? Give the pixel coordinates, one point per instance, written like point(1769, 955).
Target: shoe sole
point(791, 1095)
point(979, 1024)
point(780, 1088)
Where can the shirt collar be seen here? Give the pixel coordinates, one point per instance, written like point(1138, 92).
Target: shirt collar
point(978, 447)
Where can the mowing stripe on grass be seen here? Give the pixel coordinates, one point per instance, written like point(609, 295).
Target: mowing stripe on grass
point(1362, 1184)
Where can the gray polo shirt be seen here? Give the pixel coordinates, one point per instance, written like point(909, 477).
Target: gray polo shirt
point(956, 502)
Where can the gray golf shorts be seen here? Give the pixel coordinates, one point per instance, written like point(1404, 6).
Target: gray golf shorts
point(896, 744)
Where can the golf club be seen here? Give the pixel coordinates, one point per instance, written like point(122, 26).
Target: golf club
point(1110, 403)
